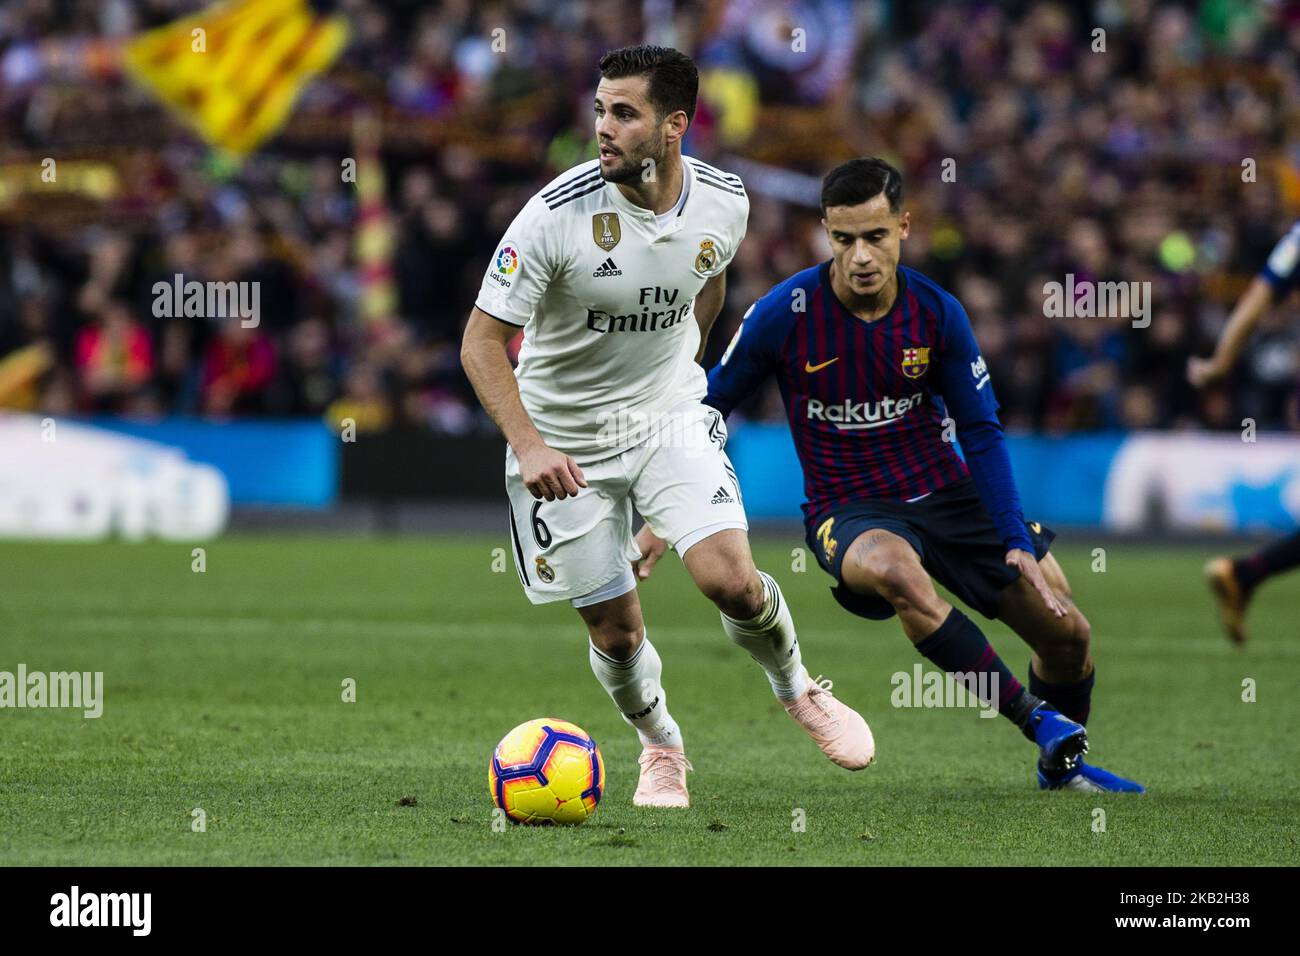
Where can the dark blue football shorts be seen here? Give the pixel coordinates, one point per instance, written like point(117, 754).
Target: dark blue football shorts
point(951, 532)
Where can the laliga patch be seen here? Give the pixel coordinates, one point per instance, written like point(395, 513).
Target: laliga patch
point(505, 264)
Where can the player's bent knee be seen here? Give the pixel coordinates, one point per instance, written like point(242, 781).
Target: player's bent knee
point(615, 626)
point(735, 596)
point(1070, 646)
point(1081, 637)
point(896, 575)
point(617, 643)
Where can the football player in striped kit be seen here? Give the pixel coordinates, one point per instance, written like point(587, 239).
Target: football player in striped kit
point(879, 372)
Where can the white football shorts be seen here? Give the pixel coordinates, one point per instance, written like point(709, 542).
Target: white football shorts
point(678, 477)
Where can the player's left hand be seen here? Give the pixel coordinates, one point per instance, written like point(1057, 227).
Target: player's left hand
point(1027, 565)
point(652, 549)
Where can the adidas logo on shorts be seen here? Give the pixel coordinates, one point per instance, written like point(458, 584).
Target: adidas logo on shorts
point(607, 268)
point(720, 497)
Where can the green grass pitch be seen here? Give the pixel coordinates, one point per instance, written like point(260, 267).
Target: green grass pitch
point(223, 691)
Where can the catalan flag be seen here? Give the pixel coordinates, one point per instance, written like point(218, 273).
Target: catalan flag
point(20, 372)
point(374, 233)
point(234, 70)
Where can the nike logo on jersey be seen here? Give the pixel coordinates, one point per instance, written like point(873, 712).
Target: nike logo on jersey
point(607, 268)
point(810, 367)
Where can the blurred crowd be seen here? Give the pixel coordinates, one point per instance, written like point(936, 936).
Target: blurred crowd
point(1134, 141)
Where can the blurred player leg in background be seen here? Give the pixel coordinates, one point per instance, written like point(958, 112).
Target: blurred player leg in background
point(1234, 581)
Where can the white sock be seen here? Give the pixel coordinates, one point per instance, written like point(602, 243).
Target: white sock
point(770, 639)
point(636, 690)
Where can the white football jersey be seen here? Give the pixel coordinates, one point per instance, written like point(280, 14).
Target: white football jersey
point(605, 297)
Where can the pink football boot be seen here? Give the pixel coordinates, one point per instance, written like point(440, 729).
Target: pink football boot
point(835, 727)
point(663, 778)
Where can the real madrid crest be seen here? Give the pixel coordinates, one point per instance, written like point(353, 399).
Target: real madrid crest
point(605, 230)
point(916, 361)
point(544, 570)
point(707, 260)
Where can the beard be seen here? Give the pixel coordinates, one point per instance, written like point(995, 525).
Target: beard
point(630, 169)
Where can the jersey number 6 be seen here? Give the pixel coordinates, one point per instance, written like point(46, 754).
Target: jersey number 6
point(541, 533)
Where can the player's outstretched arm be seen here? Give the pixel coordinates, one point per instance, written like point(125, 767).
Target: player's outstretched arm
point(990, 467)
point(750, 358)
point(967, 391)
point(546, 473)
point(1245, 317)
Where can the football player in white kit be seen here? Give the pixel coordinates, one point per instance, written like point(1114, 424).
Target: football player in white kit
point(615, 271)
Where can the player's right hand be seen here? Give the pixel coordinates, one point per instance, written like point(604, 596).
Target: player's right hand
point(652, 549)
point(548, 473)
point(1202, 373)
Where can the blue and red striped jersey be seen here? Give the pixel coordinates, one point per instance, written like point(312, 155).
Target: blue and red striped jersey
point(866, 401)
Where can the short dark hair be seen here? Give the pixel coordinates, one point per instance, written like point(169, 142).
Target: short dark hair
point(674, 80)
point(859, 180)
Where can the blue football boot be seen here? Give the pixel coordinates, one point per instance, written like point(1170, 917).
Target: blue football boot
point(1060, 740)
point(1089, 779)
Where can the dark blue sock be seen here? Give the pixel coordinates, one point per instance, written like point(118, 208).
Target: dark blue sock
point(959, 647)
point(1275, 558)
point(1073, 700)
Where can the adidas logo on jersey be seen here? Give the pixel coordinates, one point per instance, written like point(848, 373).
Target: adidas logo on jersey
point(607, 268)
point(720, 497)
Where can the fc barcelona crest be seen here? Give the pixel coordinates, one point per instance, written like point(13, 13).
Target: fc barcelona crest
point(605, 230)
point(707, 260)
point(915, 362)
